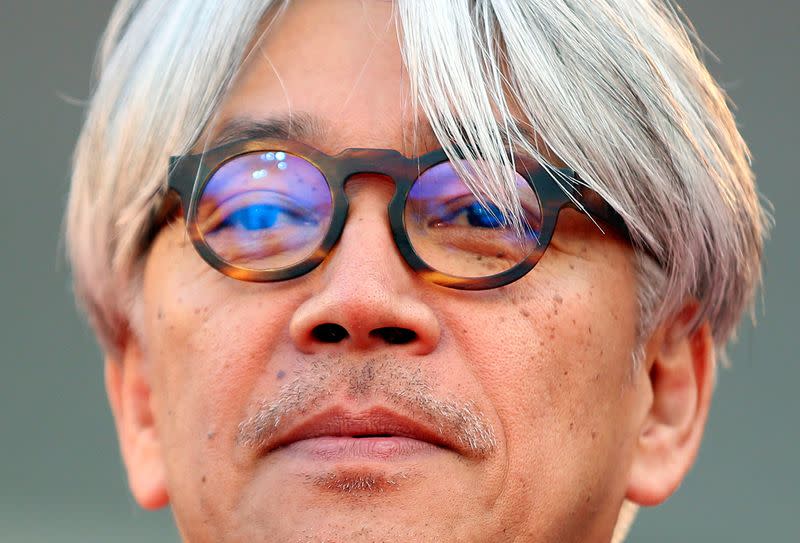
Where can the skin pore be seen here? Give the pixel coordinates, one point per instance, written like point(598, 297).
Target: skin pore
point(543, 365)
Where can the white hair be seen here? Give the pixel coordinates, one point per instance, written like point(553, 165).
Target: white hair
point(614, 88)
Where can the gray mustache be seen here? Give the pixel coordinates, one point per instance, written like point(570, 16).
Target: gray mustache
point(406, 388)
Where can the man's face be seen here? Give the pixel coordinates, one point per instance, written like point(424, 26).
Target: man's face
point(537, 373)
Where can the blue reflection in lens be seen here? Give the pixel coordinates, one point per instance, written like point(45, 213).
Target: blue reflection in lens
point(476, 214)
point(260, 217)
point(485, 216)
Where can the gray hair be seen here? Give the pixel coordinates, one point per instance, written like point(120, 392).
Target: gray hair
point(614, 88)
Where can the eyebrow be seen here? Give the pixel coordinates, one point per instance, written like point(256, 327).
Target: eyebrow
point(297, 126)
point(306, 127)
point(300, 126)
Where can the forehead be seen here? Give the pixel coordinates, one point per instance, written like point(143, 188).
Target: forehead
point(338, 63)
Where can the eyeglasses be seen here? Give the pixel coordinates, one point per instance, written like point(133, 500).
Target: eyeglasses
point(271, 210)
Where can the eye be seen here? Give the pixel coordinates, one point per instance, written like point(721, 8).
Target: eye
point(257, 212)
point(263, 217)
point(467, 211)
point(261, 224)
point(484, 216)
point(471, 220)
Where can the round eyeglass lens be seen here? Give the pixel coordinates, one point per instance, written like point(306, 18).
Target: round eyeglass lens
point(266, 210)
point(457, 234)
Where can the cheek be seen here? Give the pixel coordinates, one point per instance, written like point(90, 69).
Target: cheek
point(557, 371)
point(208, 340)
point(205, 333)
point(552, 329)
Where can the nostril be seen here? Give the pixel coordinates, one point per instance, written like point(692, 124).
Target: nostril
point(329, 333)
point(394, 335)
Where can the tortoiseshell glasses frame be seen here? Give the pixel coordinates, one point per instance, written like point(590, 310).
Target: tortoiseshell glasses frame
point(404, 171)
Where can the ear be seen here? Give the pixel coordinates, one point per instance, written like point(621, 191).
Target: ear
point(680, 375)
point(128, 388)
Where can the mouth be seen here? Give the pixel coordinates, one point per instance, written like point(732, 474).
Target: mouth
point(376, 434)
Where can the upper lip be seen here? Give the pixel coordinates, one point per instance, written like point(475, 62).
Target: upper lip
point(377, 421)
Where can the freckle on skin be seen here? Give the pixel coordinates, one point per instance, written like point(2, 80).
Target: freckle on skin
point(524, 312)
point(594, 435)
point(160, 314)
point(210, 435)
point(558, 299)
point(203, 479)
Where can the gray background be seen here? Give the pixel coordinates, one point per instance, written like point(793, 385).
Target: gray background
point(60, 475)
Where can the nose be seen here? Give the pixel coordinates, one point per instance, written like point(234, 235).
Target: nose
point(366, 297)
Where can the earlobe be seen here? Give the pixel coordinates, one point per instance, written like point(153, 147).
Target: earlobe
point(128, 389)
point(680, 366)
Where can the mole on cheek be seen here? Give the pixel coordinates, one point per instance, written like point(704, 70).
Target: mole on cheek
point(280, 375)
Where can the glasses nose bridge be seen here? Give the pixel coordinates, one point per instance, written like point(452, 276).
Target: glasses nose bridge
point(355, 165)
point(386, 163)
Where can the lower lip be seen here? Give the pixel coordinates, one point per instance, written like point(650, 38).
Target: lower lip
point(369, 448)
